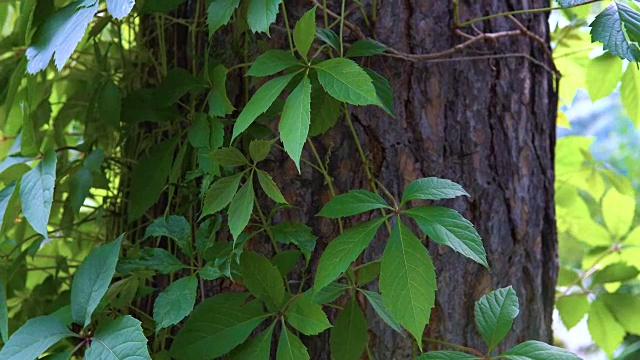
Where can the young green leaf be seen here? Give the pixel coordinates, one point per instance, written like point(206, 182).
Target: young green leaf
point(572, 309)
point(220, 194)
point(447, 227)
point(603, 75)
point(92, 279)
point(537, 350)
point(240, 209)
point(36, 193)
point(176, 228)
point(229, 156)
point(295, 119)
point(349, 333)
point(270, 188)
point(618, 211)
point(219, 13)
point(219, 104)
point(306, 316)
point(296, 233)
point(175, 302)
point(346, 81)
point(606, 332)
point(121, 338)
point(290, 347)
point(261, 13)
point(494, 314)
point(260, 102)
point(365, 48)
point(446, 355)
point(272, 62)
point(344, 250)
point(352, 203)
point(120, 8)
point(618, 28)
point(35, 337)
point(260, 149)
point(383, 90)
point(305, 31)
point(258, 348)
point(432, 189)
point(262, 278)
point(630, 92)
point(407, 280)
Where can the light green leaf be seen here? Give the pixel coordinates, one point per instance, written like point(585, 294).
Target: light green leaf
point(174, 227)
point(446, 355)
point(240, 209)
point(618, 211)
point(305, 31)
point(297, 233)
point(219, 13)
point(432, 188)
point(344, 250)
point(377, 304)
point(295, 119)
point(614, 273)
point(346, 81)
point(220, 194)
point(349, 333)
point(572, 309)
point(306, 316)
point(119, 339)
point(272, 62)
point(261, 13)
point(219, 104)
point(408, 280)
point(175, 302)
point(36, 193)
point(537, 350)
point(258, 348)
point(606, 332)
point(494, 314)
point(328, 36)
point(260, 101)
point(262, 278)
point(270, 188)
point(365, 48)
point(229, 156)
point(383, 90)
point(60, 34)
point(260, 149)
point(5, 197)
point(447, 227)
point(603, 75)
point(630, 93)
point(91, 280)
point(35, 337)
point(625, 308)
point(290, 347)
point(352, 203)
point(120, 8)
point(618, 28)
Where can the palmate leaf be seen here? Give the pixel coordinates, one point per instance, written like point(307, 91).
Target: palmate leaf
point(295, 119)
point(262, 278)
point(446, 355)
point(572, 308)
point(630, 93)
point(606, 332)
point(290, 347)
point(272, 62)
point(257, 348)
point(352, 203)
point(617, 27)
point(121, 338)
point(240, 209)
point(305, 31)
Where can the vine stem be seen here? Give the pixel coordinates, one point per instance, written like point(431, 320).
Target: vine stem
point(325, 173)
point(286, 24)
point(454, 346)
point(342, 28)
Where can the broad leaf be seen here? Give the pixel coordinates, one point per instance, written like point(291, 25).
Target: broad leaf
point(352, 203)
point(446, 355)
point(365, 48)
point(286, 260)
point(537, 350)
point(494, 314)
point(346, 81)
point(219, 104)
point(290, 347)
point(262, 278)
point(121, 338)
point(306, 316)
point(177, 83)
point(408, 280)
point(220, 194)
point(377, 304)
point(36, 193)
point(229, 156)
point(305, 31)
point(258, 348)
point(618, 28)
point(296, 233)
point(572, 309)
point(240, 209)
point(344, 250)
point(624, 308)
point(219, 13)
point(260, 149)
point(174, 227)
point(603, 75)
point(325, 111)
point(432, 189)
point(175, 302)
point(618, 211)
point(79, 186)
point(270, 188)
point(447, 227)
point(614, 273)
point(120, 8)
point(91, 281)
point(156, 259)
point(606, 332)
point(261, 13)
point(295, 119)
point(367, 273)
point(35, 337)
point(630, 93)
point(349, 333)
point(272, 62)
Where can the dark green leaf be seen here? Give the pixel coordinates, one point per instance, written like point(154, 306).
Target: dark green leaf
point(352, 203)
point(121, 338)
point(272, 62)
point(349, 333)
point(306, 316)
point(175, 85)
point(175, 302)
point(572, 309)
point(262, 278)
point(261, 14)
point(156, 259)
point(229, 156)
point(432, 189)
point(34, 338)
point(258, 348)
point(79, 186)
point(537, 350)
point(618, 28)
point(295, 119)
point(219, 104)
point(494, 314)
point(328, 36)
point(367, 273)
point(286, 260)
point(109, 104)
point(174, 227)
point(206, 234)
point(163, 6)
point(260, 149)
point(305, 31)
point(365, 48)
point(296, 233)
point(325, 111)
point(5, 197)
point(290, 347)
point(120, 8)
point(4, 314)
point(383, 90)
point(240, 209)
point(210, 272)
point(346, 81)
point(220, 194)
point(270, 188)
point(571, 3)
point(219, 13)
point(36, 193)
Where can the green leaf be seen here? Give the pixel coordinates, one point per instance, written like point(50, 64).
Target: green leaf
point(270, 188)
point(175, 302)
point(219, 104)
point(344, 250)
point(260, 101)
point(432, 189)
point(229, 156)
point(36, 193)
point(79, 186)
point(174, 227)
point(258, 348)
point(328, 294)
point(121, 338)
point(614, 273)
point(325, 111)
point(328, 36)
point(537, 350)
point(286, 260)
point(216, 326)
point(156, 259)
point(240, 209)
point(60, 34)
point(35, 337)
point(91, 281)
point(260, 149)
point(177, 83)
point(5, 197)
point(110, 104)
point(346, 81)
point(377, 304)
point(262, 278)
point(352, 203)
point(618, 211)
point(210, 272)
point(349, 333)
point(571, 3)
point(220, 194)
point(630, 93)
point(624, 308)
point(297, 233)
point(120, 8)
point(572, 309)
point(272, 62)
point(606, 332)
point(290, 347)
point(305, 31)
point(408, 280)
point(199, 134)
point(4, 314)
point(494, 314)
point(618, 28)
point(603, 75)
point(219, 13)
point(261, 14)
point(447, 227)
point(306, 316)
point(446, 355)
point(383, 90)
point(367, 273)
point(365, 48)
point(295, 119)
